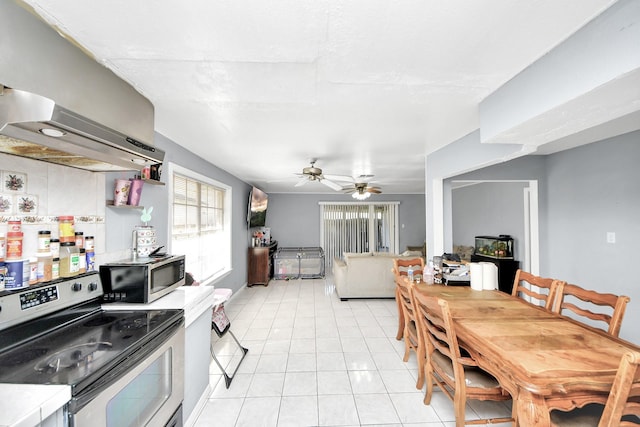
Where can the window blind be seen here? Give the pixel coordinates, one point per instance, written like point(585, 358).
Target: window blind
point(358, 227)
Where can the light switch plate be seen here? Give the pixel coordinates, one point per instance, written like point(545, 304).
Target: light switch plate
point(611, 237)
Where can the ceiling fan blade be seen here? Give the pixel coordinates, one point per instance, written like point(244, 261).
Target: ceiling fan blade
point(331, 184)
point(363, 177)
point(302, 182)
point(373, 190)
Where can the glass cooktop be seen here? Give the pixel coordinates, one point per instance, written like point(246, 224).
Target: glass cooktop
point(83, 348)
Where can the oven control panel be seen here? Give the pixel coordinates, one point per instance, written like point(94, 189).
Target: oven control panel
point(38, 296)
point(20, 305)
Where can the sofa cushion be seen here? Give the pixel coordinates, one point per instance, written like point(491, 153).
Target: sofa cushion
point(365, 276)
point(385, 254)
point(348, 255)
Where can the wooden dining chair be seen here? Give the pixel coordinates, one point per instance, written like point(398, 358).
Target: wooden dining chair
point(450, 367)
point(623, 404)
point(404, 289)
point(587, 304)
point(400, 268)
point(545, 293)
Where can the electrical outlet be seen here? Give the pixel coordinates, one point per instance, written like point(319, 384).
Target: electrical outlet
point(611, 237)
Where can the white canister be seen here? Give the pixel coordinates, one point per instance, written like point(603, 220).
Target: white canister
point(145, 240)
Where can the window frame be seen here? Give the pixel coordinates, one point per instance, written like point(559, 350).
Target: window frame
point(172, 169)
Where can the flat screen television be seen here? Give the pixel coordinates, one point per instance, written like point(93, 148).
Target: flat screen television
point(258, 201)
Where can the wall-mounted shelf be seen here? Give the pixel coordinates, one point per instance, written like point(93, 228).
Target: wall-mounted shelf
point(129, 207)
point(152, 181)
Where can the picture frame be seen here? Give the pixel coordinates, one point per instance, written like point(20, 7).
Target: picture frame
point(6, 204)
point(14, 182)
point(26, 204)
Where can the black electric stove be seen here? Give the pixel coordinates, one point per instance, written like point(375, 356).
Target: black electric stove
point(57, 333)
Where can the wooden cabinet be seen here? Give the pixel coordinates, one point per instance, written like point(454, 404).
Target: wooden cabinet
point(260, 264)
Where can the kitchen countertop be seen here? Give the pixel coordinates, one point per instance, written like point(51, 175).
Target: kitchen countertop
point(27, 405)
point(194, 300)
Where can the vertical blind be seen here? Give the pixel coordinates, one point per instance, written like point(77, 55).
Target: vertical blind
point(198, 226)
point(358, 227)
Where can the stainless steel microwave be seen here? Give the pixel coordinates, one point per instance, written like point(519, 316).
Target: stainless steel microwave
point(143, 280)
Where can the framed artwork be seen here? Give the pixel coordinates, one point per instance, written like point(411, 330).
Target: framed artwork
point(14, 182)
point(6, 203)
point(26, 204)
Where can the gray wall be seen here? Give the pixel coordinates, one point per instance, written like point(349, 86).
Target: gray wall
point(120, 223)
point(523, 168)
point(489, 209)
point(294, 219)
point(593, 190)
point(584, 193)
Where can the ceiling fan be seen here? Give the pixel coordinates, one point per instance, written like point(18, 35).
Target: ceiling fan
point(312, 173)
point(361, 190)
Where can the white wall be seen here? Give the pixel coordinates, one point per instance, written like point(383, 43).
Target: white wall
point(58, 190)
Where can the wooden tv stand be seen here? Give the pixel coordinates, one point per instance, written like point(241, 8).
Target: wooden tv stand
point(260, 260)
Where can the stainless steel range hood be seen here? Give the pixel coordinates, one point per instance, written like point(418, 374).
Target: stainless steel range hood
point(36, 127)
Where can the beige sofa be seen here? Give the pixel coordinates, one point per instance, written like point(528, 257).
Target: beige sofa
point(365, 275)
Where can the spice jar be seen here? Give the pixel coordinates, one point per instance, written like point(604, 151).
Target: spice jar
point(14, 226)
point(91, 261)
point(44, 241)
point(54, 246)
point(82, 261)
point(69, 259)
point(33, 270)
point(45, 267)
point(88, 243)
point(66, 226)
point(55, 269)
point(79, 239)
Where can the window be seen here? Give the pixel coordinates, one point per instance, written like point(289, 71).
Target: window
point(200, 223)
point(358, 227)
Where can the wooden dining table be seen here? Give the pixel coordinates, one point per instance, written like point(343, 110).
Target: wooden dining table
point(544, 360)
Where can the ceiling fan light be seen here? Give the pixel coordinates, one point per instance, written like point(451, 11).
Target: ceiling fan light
point(361, 196)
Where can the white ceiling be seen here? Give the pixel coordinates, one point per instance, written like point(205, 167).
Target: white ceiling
point(260, 87)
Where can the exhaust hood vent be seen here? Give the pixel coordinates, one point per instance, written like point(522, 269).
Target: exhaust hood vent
point(36, 127)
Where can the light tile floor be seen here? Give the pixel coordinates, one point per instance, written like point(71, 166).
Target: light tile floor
point(317, 361)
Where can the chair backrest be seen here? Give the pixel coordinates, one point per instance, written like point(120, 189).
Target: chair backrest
point(401, 266)
point(586, 303)
point(434, 318)
point(544, 295)
point(624, 397)
point(403, 292)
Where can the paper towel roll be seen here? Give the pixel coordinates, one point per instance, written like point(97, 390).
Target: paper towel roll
point(489, 275)
point(475, 270)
